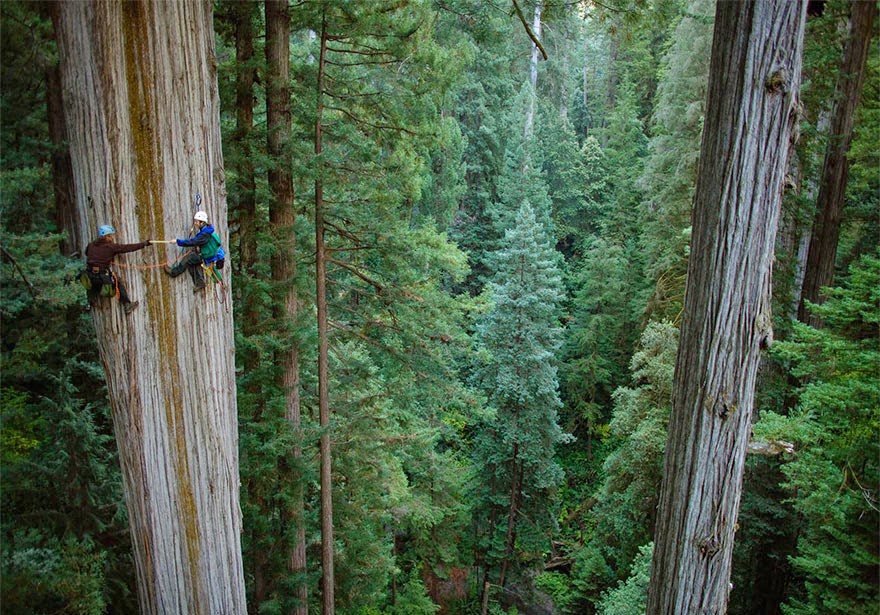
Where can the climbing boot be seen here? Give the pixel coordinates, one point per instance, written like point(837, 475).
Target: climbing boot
point(198, 289)
point(130, 307)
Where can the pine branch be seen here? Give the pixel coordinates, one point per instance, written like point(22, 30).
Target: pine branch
point(357, 272)
point(343, 232)
point(367, 51)
point(31, 288)
point(361, 122)
point(347, 95)
point(350, 64)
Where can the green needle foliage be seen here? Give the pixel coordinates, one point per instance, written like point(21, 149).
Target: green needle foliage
point(624, 506)
point(488, 291)
point(514, 450)
point(832, 478)
point(674, 149)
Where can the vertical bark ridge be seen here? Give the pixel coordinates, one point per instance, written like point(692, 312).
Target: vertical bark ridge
point(752, 93)
point(139, 86)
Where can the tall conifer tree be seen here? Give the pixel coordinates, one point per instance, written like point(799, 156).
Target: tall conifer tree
point(833, 478)
point(514, 450)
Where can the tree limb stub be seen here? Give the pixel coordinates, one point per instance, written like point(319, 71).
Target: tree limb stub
point(770, 447)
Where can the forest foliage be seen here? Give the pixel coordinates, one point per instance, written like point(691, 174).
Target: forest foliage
point(504, 297)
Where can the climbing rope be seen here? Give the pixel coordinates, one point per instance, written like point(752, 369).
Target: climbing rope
point(153, 266)
point(218, 286)
point(212, 278)
point(211, 275)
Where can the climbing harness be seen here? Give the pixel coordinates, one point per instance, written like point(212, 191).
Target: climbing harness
point(106, 279)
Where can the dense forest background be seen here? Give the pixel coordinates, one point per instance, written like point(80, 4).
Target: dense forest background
point(509, 238)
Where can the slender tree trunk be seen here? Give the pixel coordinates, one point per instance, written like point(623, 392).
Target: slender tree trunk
point(283, 217)
point(245, 77)
point(754, 80)
point(613, 77)
point(244, 214)
point(533, 72)
point(515, 489)
point(794, 236)
point(484, 603)
point(62, 171)
point(822, 255)
point(565, 60)
point(481, 559)
point(328, 582)
point(142, 111)
point(66, 219)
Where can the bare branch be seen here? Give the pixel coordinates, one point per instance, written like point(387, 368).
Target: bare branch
point(31, 288)
point(528, 28)
point(367, 51)
point(357, 272)
point(361, 122)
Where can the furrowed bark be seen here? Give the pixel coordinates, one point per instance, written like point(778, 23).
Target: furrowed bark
point(140, 95)
point(753, 85)
point(328, 589)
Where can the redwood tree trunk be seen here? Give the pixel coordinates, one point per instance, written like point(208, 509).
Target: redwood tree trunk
point(140, 94)
point(822, 254)
point(62, 172)
point(754, 80)
point(245, 78)
point(282, 217)
point(327, 571)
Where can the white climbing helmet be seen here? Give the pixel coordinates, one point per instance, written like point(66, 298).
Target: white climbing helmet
point(201, 216)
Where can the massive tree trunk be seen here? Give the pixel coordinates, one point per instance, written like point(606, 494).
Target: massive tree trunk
point(283, 217)
point(140, 93)
point(754, 79)
point(822, 254)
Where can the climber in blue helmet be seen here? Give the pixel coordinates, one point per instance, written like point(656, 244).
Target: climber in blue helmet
point(98, 276)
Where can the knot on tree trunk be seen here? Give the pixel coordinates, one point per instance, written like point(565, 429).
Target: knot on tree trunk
point(777, 81)
point(709, 546)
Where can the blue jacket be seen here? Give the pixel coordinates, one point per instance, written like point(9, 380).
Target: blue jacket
point(207, 242)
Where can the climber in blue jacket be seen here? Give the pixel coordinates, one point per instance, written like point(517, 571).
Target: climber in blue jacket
point(206, 249)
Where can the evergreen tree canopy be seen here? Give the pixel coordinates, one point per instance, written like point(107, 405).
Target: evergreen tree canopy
point(833, 476)
point(518, 339)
